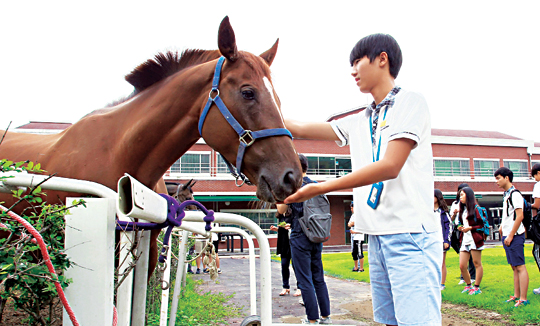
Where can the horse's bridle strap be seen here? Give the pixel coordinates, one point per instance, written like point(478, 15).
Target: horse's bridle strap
point(246, 137)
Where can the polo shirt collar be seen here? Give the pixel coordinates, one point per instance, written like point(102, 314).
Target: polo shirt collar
point(507, 192)
point(389, 100)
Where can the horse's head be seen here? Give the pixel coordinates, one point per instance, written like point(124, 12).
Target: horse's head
point(245, 87)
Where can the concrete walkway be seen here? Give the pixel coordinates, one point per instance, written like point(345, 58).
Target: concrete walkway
point(286, 309)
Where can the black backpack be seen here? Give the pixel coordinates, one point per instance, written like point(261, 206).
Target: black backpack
point(534, 231)
point(527, 213)
point(317, 220)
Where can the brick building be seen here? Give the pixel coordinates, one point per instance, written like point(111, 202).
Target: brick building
point(459, 156)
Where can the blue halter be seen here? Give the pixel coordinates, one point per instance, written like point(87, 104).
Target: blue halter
point(246, 137)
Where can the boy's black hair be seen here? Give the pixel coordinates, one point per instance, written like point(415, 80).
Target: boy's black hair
point(303, 162)
point(504, 172)
point(373, 45)
point(535, 169)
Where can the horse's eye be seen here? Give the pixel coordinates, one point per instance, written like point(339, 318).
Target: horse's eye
point(248, 95)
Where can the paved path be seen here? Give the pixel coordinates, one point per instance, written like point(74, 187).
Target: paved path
point(286, 309)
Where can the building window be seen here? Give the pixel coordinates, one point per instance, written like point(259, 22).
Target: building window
point(519, 168)
point(329, 165)
point(222, 166)
point(453, 168)
point(485, 168)
point(192, 163)
point(263, 217)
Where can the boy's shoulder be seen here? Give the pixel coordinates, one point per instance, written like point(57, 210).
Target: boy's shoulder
point(405, 95)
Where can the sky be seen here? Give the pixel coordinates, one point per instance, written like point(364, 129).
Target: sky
point(474, 61)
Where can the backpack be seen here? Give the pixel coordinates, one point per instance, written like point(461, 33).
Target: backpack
point(534, 232)
point(527, 213)
point(483, 214)
point(317, 220)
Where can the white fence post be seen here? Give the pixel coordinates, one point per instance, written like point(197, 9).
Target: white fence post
point(90, 241)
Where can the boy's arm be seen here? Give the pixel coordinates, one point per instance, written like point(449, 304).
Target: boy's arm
point(388, 168)
point(311, 130)
point(515, 227)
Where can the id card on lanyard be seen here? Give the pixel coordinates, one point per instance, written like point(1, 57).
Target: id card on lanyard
point(376, 188)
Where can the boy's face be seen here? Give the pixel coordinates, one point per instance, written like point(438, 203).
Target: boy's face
point(537, 176)
point(365, 73)
point(502, 182)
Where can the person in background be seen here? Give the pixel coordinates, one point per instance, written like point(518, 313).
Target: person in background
point(357, 243)
point(307, 261)
point(441, 210)
point(512, 232)
point(283, 249)
point(535, 173)
point(454, 210)
point(471, 240)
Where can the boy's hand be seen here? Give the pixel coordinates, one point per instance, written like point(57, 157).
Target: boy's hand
point(306, 192)
point(446, 245)
point(508, 240)
point(273, 228)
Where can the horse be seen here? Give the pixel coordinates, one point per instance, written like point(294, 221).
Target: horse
point(174, 97)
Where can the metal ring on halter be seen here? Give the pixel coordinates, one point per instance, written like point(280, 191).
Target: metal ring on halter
point(239, 178)
point(211, 91)
point(243, 138)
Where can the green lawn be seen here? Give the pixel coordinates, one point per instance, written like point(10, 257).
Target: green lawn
point(497, 284)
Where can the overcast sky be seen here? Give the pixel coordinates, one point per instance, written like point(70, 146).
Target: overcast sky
point(476, 62)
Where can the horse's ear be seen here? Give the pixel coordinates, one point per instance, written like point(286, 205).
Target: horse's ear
point(269, 55)
point(227, 40)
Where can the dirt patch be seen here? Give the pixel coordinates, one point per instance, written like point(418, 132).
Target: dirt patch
point(12, 317)
point(452, 315)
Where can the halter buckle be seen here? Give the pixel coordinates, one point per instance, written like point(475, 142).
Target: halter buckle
point(243, 138)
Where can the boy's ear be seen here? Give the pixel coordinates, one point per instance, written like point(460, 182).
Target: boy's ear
point(383, 59)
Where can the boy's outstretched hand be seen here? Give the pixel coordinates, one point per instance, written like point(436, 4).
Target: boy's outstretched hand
point(306, 192)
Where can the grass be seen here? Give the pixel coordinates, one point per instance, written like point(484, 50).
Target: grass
point(199, 308)
point(497, 284)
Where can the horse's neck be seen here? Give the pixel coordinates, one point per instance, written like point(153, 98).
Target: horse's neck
point(161, 125)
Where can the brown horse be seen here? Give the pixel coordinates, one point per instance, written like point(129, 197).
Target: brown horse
point(147, 132)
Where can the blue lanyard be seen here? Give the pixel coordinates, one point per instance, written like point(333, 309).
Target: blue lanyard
point(371, 133)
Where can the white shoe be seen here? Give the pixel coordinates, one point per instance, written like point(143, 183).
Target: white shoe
point(461, 282)
point(536, 291)
point(301, 302)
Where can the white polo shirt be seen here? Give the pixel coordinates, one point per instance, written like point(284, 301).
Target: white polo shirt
point(508, 213)
point(356, 236)
point(406, 203)
point(536, 190)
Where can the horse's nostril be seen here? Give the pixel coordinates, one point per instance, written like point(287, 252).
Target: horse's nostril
point(290, 182)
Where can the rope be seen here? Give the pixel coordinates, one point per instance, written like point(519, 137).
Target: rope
point(46, 259)
point(50, 267)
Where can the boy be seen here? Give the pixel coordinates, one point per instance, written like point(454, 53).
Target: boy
point(535, 173)
point(390, 144)
point(512, 232)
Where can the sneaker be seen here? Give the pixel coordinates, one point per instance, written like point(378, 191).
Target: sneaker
point(219, 270)
point(306, 321)
point(198, 271)
point(461, 282)
point(536, 291)
point(301, 302)
point(467, 288)
point(206, 271)
point(521, 303)
point(474, 291)
point(325, 321)
point(512, 299)
point(190, 271)
point(443, 287)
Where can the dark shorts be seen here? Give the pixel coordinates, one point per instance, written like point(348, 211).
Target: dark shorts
point(216, 245)
point(515, 254)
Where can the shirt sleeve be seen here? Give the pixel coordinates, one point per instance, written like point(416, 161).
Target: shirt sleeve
point(536, 190)
point(342, 127)
point(409, 118)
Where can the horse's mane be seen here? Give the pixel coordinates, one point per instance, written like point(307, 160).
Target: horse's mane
point(166, 64)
